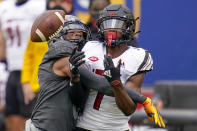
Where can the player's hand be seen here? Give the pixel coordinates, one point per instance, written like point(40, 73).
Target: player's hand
point(75, 61)
point(29, 95)
point(152, 112)
point(112, 73)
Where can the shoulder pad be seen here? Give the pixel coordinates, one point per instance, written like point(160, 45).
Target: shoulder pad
point(144, 58)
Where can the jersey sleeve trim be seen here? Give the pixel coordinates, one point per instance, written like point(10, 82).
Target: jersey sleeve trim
point(144, 61)
point(147, 63)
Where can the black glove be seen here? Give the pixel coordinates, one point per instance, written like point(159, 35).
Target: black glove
point(111, 73)
point(76, 61)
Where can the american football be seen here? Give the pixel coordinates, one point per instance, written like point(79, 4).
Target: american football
point(47, 25)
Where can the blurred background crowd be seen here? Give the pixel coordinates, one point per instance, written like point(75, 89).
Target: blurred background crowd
point(168, 30)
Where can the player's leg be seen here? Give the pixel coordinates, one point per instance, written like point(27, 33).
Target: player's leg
point(13, 120)
point(24, 110)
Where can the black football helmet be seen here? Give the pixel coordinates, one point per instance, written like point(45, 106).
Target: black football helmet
point(116, 17)
point(74, 23)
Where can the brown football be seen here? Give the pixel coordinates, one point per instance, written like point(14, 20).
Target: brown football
point(47, 25)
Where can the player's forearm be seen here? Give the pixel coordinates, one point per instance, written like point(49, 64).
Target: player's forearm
point(97, 82)
point(123, 100)
point(94, 81)
point(135, 96)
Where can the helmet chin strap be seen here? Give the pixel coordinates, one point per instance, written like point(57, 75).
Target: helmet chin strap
point(110, 36)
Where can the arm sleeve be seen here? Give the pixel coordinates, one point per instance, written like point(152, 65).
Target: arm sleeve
point(135, 96)
point(94, 81)
point(27, 63)
point(99, 83)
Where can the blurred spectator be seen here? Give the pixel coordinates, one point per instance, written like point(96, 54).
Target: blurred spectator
point(35, 52)
point(16, 18)
point(66, 5)
point(95, 7)
point(3, 79)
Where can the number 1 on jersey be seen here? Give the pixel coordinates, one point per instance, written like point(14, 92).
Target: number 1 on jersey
point(99, 96)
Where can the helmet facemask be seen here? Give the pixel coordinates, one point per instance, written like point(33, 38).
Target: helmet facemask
point(113, 19)
point(76, 26)
point(112, 27)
